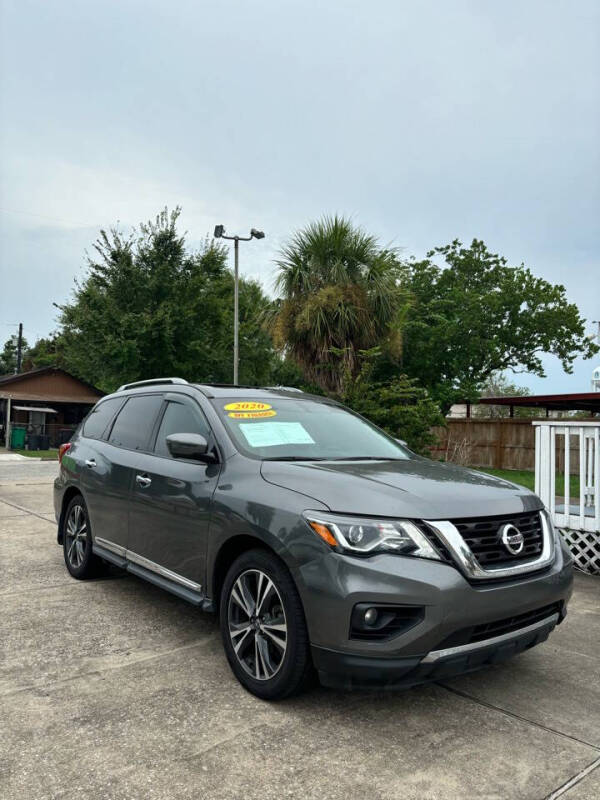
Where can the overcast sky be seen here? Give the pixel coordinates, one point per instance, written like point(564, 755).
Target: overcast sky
point(423, 121)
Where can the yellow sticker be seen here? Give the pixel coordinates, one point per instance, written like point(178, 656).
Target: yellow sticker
point(247, 406)
point(252, 414)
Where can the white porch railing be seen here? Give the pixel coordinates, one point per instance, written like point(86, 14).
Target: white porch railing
point(572, 448)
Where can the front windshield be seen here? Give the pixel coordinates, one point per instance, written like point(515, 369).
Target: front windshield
point(288, 429)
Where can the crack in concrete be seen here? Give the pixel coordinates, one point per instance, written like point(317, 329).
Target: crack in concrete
point(69, 584)
point(349, 706)
point(101, 670)
point(27, 483)
point(517, 716)
point(573, 781)
point(225, 740)
point(28, 511)
point(577, 653)
point(65, 585)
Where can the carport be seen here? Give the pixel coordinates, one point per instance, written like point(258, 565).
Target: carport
point(574, 401)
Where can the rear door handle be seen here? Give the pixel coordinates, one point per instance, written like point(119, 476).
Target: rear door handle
point(143, 481)
point(91, 462)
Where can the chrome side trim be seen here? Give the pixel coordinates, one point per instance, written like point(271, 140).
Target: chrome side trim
point(466, 560)
point(163, 571)
point(147, 564)
point(115, 548)
point(435, 655)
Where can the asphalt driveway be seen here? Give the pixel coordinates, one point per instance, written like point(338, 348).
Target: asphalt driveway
point(114, 689)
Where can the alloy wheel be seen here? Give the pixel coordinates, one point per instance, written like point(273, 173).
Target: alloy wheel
point(76, 532)
point(257, 624)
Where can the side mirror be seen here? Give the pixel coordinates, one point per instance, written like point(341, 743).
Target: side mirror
point(189, 445)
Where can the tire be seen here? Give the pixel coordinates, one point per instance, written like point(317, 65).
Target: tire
point(77, 541)
point(268, 652)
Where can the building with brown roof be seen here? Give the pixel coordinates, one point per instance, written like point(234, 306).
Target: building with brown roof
point(41, 408)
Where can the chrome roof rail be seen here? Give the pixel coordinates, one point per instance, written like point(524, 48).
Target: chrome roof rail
point(284, 389)
point(151, 382)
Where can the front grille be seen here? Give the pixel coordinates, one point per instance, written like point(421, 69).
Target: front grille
point(483, 538)
point(487, 630)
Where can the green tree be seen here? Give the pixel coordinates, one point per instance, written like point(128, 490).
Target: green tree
point(400, 406)
point(477, 316)
point(339, 293)
point(148, 307)
point(48, 351)
point(8, 355)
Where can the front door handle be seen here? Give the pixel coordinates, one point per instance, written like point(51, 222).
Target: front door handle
point(143, 481)
point(91, 462)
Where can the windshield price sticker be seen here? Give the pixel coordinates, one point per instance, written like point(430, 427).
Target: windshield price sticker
point(252, 414)
point(271, 434)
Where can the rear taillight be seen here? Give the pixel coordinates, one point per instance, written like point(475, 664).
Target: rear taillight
point(64, 448)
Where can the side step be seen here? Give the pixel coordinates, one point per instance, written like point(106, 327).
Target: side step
point(109, 556)
point(195, 598)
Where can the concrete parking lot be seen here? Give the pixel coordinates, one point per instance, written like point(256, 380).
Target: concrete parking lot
point(114, 689)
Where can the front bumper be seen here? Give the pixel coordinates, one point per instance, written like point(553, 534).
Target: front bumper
point(450, 604)
point(346, 671)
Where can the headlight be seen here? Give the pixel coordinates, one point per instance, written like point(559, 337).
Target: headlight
point(368, 535)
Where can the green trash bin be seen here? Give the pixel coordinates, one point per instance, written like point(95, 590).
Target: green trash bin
point(17, 438)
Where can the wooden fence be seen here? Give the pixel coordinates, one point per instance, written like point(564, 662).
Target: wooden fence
point(497, 443)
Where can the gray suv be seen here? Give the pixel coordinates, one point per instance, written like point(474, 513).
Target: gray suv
point(325, 547)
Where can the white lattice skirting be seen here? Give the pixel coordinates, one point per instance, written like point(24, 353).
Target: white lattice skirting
point(585, 547)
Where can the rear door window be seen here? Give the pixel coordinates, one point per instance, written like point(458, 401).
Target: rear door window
point(98, 420)
point(133, 426)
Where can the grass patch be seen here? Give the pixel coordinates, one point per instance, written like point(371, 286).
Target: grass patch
point(38, 453)
point(526, 478)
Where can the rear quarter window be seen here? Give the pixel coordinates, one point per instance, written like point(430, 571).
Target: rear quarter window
point(97, 422)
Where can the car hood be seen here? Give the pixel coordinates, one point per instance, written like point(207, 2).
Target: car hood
point(417, 488)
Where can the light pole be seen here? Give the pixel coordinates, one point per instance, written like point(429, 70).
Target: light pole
point(220, 234)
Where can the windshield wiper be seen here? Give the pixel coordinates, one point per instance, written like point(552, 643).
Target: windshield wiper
point(333, 458)
point(364, 458)
point(295, 458)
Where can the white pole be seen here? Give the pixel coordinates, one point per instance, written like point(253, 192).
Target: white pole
point(596, 484)
point(7, 442)
point(567, 478)
point(552, 504)
point(538, 476)
point(589, 478)
point(581, 478)
point(546, 465)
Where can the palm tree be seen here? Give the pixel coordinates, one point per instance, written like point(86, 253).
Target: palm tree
point(340, 294)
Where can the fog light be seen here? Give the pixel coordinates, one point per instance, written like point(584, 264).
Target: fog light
point(370, 616)
point(381, 622)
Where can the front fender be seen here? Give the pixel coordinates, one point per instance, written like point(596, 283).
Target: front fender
point(272, 517)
